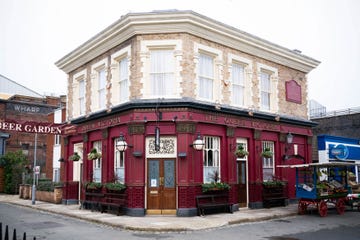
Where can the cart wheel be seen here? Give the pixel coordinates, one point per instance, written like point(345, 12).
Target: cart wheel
point(322, 207)
point(302, 208)
point(340, 206)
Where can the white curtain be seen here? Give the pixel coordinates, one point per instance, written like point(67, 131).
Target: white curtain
point(211, 158)
point(206, 76)
point(101, 89)
point(265, 91)
point(238, 84)
point(123, 83)
point(82, 97)
point(119, 164)
point(97, 165)
point(162, 72)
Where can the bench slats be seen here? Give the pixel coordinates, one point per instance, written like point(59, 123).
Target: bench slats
point(212, 201)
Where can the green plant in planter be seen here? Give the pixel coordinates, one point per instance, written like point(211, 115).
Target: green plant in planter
point(115, 186)
point(274, 182)
point(93, 185)
point(215, 184)
point(241, 152)
point(75, 157)
point(267, 153)
point(94, 154)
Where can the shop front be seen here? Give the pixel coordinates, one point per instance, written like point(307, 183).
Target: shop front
point(162, 166)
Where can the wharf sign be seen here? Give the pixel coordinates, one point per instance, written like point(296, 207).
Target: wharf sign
point(32, 127)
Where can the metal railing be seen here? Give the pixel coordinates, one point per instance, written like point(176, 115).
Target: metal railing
point(321, 113)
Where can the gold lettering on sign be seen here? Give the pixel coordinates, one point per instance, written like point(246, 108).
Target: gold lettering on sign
point(234, 122)
point(211, 118)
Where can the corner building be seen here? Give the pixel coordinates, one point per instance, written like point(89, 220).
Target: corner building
point(182, 74)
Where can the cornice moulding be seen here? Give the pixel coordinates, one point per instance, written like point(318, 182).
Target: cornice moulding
point(182, 22)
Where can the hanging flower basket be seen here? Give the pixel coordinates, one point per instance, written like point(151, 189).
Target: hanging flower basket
point(75, 157)
point(241, 152)
point(267, 153)
point(94, 154)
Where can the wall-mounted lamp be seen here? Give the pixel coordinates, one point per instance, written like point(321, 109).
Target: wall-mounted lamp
point(289, 138)
point(121, 144)
point(289, 141)
point(198, 144)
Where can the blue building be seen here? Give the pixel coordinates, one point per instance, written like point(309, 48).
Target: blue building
point(333, 148)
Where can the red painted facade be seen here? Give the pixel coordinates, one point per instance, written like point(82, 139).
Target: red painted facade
point(189, 168)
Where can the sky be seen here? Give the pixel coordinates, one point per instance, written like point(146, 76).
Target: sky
point(34, 34)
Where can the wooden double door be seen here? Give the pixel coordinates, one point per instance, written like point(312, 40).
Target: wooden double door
point(161, 186)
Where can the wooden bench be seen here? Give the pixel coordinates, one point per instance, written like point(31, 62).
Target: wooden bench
point(213, 201)
point(113, 201)
point(92, 200)
point(273, 197)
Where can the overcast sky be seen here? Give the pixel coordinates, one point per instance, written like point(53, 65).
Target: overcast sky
point(37, 33)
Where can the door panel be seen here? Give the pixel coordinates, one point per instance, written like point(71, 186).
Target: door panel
point(161, 193)
point(242, 183)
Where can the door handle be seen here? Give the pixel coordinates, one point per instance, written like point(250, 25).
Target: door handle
point(161, 179)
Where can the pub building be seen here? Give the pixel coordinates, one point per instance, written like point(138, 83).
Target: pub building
point(167, 97)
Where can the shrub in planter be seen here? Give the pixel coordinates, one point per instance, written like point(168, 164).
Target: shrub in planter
point(118, 187)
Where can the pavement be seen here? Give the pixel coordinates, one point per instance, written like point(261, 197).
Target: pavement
point(157, 223)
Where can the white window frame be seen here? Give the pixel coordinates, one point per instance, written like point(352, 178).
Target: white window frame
point(268, 164)
point(119, 164)
point(97, 164)
point(244, 143)
point(211, 158)
point(75, 108)
point(102, 88)
point(96, 88)
point(217, 70)
point(247, 83)
point(120, 76)
point(146, 47)
point(273, 88)
point(81, 98)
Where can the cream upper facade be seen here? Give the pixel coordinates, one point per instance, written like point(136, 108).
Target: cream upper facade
point(184, 56)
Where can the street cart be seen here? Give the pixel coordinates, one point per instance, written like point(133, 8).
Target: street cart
point(322, 185)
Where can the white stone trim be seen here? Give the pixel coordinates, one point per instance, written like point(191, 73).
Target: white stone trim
point(145, 47)
point(248, 70)
point(218, 71)
point(114, 68)
point(274, 80)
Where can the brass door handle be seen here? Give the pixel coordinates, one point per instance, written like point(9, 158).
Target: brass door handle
point(161, 179)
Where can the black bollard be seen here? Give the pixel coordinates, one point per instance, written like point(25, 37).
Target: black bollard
point(14, 234)
point(24, 236)
point(1, 231)
point(6, 233)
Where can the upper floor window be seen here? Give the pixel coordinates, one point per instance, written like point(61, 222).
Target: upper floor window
point(206, 76)
point(123, 79)
point(268, 84)
point(102, 88)
point(238, 84)
point(82, 97)
point(265, 90)
point(211, 167)
point(161, 72)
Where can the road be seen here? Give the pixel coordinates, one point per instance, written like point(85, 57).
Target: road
point(49, 226)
